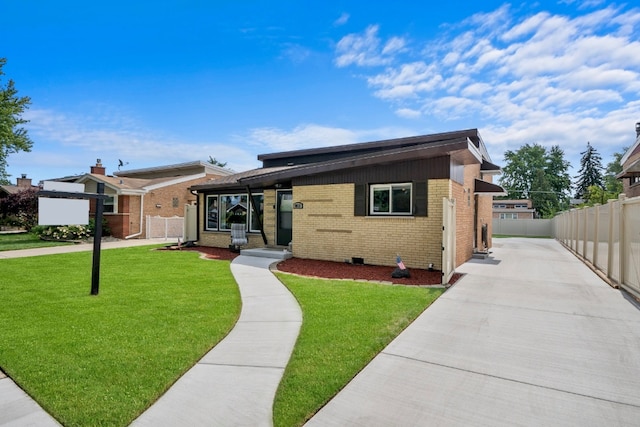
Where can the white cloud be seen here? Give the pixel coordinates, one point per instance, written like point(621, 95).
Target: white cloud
point(83, 139)
point(408, 113)
point(364, 49)
point(545, 77)
point(314, 136)
point(343, 19)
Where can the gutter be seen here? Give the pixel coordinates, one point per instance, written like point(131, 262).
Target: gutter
point(141, 216)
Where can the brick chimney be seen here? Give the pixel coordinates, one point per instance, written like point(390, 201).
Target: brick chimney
point(98, 169)
point(24, 182)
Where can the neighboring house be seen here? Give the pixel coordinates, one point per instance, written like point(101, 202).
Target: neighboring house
point(371, 201)
point(157, 191)
point(513, 209)
point(630, 162)
point(22, 183)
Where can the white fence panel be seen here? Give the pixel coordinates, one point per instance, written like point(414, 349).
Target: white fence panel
point(523, 227)
point(165, 228)
point(607, 237)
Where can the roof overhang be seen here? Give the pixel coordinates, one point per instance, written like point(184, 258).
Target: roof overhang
point(118, 190)
point(631, 170)
point(488, 168)
point(463, 149)
point(484, 188)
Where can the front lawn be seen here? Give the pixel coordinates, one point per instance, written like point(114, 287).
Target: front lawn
point(17, 241)
point(101, 360)
point(345, 324)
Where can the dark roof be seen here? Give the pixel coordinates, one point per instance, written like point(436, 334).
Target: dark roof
point(459, 148)
point(488, 188)
point(354, 149)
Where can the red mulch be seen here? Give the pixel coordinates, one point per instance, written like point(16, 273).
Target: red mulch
point(337, 270)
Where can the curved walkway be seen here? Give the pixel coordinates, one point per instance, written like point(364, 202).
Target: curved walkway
point(235, 383)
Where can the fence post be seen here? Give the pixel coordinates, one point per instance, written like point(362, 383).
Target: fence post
point(596, 234)
point(623, 241)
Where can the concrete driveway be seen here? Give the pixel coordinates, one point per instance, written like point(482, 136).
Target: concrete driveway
point(530, 336)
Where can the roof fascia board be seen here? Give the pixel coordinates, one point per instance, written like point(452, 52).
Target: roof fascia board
point(630, 151)
point(428, 151)
point(388, 144)
point(179, 180)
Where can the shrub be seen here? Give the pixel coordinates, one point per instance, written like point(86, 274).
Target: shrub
point(63, 232)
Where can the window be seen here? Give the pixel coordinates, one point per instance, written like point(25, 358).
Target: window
point(109, 205)
point(212, 213)
point(500, 206)
point(391, 199)
point(222, 210)
point(255, 221)
point(508, 216)
point(233, 210)
point(520, 206)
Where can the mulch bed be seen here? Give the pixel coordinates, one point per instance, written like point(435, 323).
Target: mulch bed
point(336, 270)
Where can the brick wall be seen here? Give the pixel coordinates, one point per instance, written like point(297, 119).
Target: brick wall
point(327, 229)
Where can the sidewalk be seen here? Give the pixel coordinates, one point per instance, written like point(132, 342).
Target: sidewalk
point(528, 337)
point(83, 247)
point(235, 383)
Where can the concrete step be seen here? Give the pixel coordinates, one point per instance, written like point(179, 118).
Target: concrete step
point(272, 253)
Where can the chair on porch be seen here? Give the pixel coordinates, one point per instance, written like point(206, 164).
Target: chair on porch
point(238, 236)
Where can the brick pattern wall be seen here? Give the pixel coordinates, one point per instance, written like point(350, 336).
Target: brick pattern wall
point(327, 229)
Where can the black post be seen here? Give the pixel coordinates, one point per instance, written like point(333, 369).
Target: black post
point(97, 239)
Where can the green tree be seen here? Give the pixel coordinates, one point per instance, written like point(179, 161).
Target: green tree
point(612, 184)
point(215, 162)
point(533, 172)
point(520, 169)
point(590, 172)
point(13, 137)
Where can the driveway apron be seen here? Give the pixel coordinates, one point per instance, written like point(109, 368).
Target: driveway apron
point(529, 336)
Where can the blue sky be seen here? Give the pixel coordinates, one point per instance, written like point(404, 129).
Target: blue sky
point(157, 83)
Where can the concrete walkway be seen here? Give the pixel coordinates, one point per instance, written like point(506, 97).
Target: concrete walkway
point(236, 382)
point(528, 337)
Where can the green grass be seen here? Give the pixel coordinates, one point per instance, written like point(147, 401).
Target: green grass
point(101, 360)
point(17, 241)
point(345, 324)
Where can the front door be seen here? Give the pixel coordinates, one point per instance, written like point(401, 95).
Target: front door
point(284, 217)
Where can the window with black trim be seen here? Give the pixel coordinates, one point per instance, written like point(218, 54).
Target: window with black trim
point(390, 199)
point(212, 213)
point(222, 210)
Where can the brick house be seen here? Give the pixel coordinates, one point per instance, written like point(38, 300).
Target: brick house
point(156, 191)
point(22, 183)
point(371, 200)
point(630, 162)
point(513, 209)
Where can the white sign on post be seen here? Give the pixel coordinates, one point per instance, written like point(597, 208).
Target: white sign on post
point(63, 211)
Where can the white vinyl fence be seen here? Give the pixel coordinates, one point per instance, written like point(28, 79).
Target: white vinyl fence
point(165, 228)
point(523, 227)
point(606, 236)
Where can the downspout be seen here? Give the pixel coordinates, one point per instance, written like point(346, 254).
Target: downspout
point(141, 217)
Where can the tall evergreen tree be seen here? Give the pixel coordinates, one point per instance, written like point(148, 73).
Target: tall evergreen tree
point(590, 173)
point(13, 137)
